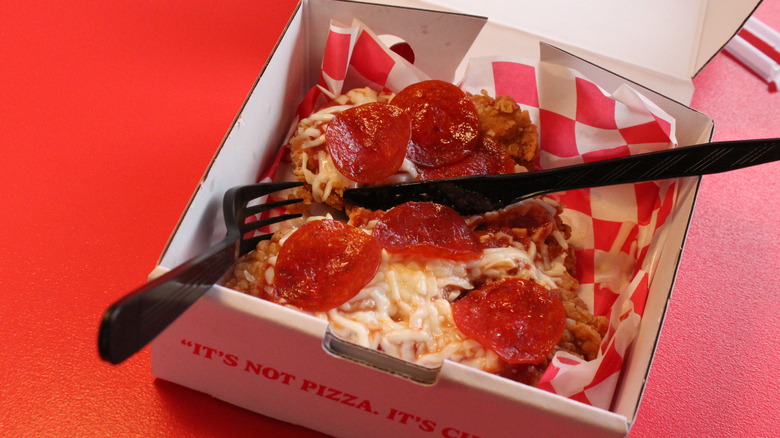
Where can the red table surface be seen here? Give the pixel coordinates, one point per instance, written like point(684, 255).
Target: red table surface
point(110, 113)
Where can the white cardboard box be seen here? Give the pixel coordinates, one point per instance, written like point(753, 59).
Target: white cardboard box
point(272, 360)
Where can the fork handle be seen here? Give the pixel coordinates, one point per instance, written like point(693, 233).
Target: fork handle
point(135, 320)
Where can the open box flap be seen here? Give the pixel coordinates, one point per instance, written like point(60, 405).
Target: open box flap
point(650, 42)
point(722, 21)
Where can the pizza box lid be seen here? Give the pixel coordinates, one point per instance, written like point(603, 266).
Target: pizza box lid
point(661, 43)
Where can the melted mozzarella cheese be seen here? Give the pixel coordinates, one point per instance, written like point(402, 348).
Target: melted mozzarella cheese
point(325, 178)
point(309, 138)
point(405, 310)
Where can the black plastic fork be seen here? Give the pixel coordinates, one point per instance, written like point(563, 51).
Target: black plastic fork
point(136, 319)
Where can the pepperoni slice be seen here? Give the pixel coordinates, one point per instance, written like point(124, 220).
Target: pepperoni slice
point(426, 229)
point(520, 320)
point(323, 264)
point(368, 142)
point(445, 125)
point(490, 159)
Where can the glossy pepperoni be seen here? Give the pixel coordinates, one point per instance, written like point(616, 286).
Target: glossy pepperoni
point(324, 264)
point(445, 125)
point(368, 142)
point(425, 229)
point(520, 320)
point(489, 159)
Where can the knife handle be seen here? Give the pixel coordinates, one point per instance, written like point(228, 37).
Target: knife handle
point(478, 194)
point(685, 161)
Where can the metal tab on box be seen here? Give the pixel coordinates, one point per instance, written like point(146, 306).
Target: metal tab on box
point(379, 360)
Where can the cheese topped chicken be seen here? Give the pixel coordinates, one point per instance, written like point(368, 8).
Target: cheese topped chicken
point(494, 291)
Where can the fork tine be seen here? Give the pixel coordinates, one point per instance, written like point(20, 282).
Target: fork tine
point(259, 208)
point(247, 194)
point(264, 222)
point(235, 203)
point(250, 244)
point(257, 190)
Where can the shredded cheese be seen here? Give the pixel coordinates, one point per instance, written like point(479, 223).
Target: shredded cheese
point(405, 310)
point(308, 142)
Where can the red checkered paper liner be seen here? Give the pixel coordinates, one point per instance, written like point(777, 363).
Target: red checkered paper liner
point(618, 231)
point(355, 57)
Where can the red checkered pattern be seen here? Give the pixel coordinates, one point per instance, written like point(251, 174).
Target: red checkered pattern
point(615, 228)
point(355, 57)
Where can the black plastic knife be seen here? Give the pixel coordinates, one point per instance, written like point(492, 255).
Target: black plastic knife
point(478, 194)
